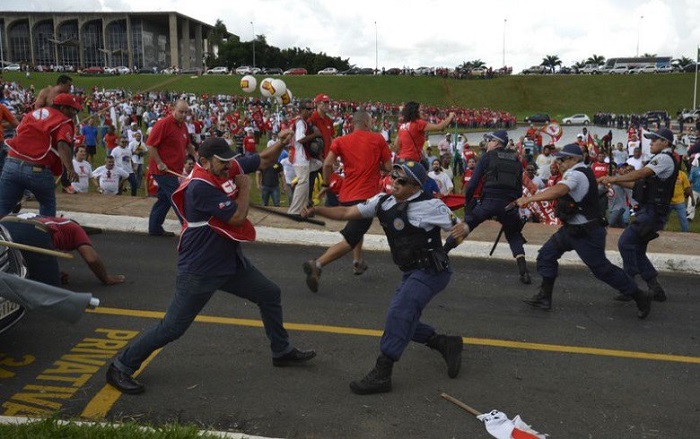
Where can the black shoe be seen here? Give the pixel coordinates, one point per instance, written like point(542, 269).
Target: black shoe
point(450, 346)
point(622, 297)
point(378, 380)
point(643, 300)
point(540, 300)
point(313, 274)
point(657, 291)
point(522, 269)
point(293, 358)
point(162, 234)
point(525, 278)
point(123, 382)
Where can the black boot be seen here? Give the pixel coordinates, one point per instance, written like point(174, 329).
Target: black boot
point(643, 301)
point(657, 291)
point(450, 346)
point(378, 380)
point(543, 299)
point(522, 269)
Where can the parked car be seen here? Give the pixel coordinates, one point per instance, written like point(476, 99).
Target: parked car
point(691, 67)
point(328, 71)
point(576, 119)
point(538, 118)
point(691, 115)
point(655, 116)
point(590, 69)
point(244, 70)
point(535, 70)
point(123, 70)
point(393, 71)
point(567, 70)
point(295, 71)
point(109, 70)
point(12, 68)
point(92, 71)
point(665, 69)
point(619, 70)
point(220, 70)
point(272, 71)
point(643, 69)
point(424, 71)
point(11, 261)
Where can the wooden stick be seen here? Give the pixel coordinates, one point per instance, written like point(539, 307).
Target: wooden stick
point(31, 248)
point(175, 173)
point(460, 404)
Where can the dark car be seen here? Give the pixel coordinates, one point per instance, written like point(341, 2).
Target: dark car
point(272, 71)
point(11, 261)
point(655, 116)
point(295, 71)
point(690, 68)
point(538, 118)
point(393, 71)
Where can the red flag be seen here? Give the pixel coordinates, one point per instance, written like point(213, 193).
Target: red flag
point(499, 426)
point(543, 209)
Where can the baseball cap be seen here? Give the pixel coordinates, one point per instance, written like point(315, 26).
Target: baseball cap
point(66, 100)
point(663, 133)
point(216, 147)
point(321, 98)
point(414, 170)
point(500, 135)
point(570, 150)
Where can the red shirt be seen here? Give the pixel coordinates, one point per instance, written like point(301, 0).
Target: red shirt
point(599, 169)
point(249, 144)
point(325, 126)
point(412, 137)
point(6, 115)
point(170, 138)
point(66, 235)
point(362, 153)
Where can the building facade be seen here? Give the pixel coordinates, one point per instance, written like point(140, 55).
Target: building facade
point(96, 39)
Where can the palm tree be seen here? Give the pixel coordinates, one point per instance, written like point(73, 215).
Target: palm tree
point(597, 60)
point(649, 55)
point(683, 62)
point(551, 62)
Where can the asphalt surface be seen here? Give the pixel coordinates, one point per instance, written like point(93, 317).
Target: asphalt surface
point(585, 370)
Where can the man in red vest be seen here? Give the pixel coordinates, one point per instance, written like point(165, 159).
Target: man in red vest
point(213, 203)
point(41, 150)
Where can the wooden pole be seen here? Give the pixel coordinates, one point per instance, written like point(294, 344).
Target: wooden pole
point(460, 404)
point(31, 248)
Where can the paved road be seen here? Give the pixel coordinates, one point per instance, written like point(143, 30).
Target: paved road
point(588, 369)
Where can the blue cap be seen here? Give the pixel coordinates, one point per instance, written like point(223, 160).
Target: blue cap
point(414, 170)
point(570, 150)
point(663, 133)
point(500, 135)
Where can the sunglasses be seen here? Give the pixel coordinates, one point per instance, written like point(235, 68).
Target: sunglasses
point(399, 179)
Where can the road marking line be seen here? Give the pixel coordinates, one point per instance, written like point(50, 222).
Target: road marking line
point(378, 333)
point(102, 402)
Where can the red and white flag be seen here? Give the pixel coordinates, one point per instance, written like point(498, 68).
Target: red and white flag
point(499, 426)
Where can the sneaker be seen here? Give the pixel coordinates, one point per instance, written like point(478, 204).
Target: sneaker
point(313, 274)
point(359, 267)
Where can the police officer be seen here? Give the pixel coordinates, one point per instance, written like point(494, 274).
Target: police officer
point(652, 188)
point(412, 221)
point(501, 172)
point(583, 231)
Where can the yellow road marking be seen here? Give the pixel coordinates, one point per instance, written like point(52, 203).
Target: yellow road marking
point(102, 402)
point(377, 333)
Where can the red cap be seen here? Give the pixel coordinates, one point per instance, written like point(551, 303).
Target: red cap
point(67, 100)
point(321, 98)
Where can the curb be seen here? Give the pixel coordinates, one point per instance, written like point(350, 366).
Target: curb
point(664, 262)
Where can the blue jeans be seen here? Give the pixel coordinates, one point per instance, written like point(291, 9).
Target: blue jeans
point(403, 325)
point(682, 215)
point(18, 176)
point(635, 238)
point(192, 292)
point(270, 191)
point(166, 186)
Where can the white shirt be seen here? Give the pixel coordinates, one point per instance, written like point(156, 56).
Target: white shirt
point(577, 183)
point(443, 181)
point(84, 171)
point(637, 163)
point(136, 158)
point(108, 179)
point(426, 214)
point(544, 163)
point(300, 158)
point(122, 159)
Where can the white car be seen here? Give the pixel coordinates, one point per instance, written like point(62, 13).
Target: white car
point(590, 69)
point(664, 69)
point(12, 68)
point(691, 116)
point(109, 70)
point(619, 70)
point(576, 119)
point(122, 70)
point(328, 71)
point(221, 70)
point(244, 70)
point(644, 69)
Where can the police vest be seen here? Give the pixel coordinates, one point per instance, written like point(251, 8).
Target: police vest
point(411, 247)
point(653, 190)
point(504, 171)
point(589, 207)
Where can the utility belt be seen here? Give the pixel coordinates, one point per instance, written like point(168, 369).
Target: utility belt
point(582, 230)
point(36, 167)
point(429, 259)
point(657, 208)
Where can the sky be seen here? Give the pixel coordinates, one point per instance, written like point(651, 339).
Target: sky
point(438, 33)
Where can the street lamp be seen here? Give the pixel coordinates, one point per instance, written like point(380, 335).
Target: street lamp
point(253, 27)
point(639, 25)
point(376, 49)
point(504, 41)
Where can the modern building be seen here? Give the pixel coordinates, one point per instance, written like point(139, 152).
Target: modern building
point(91, 39)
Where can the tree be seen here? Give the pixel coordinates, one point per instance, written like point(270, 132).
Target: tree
point(683, 62)
point(649, 55)
point(551, 62)
point(598, 60)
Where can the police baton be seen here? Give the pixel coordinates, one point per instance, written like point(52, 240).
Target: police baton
point(512, 205)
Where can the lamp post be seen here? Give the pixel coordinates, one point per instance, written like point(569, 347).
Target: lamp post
point(253, 27)
point(639, 25)
point(505, 20)
point(376, 49)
